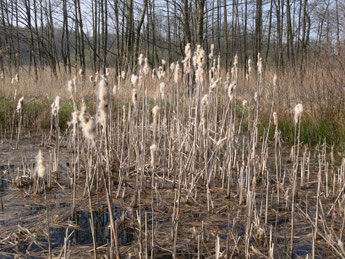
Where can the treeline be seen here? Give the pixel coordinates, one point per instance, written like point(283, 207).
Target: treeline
point(67, 34)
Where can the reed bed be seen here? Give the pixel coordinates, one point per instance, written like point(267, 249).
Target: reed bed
point(180, 156)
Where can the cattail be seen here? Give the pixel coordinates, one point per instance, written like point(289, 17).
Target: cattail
point(141, 60)
point(96, 76)
point(249, 66)
point(91, 79)
point(153, 149)
point(177, 73)
point(15, 94)
point(134, 80)
point(214, 85)
point(12, 81)
point(2, 76)
point(201, 57)
point(20, 104)
point(74, 122)
point(162, 89)
point(115, 89)
point(56, 105)
point(211, 52)
point(103, 102)
point(16, 78)
point(275, 80)
point(235, 60)
point(88, 128)
point(244, 103)
point(107, 72)
point(134, 98)
point(275, 119)
point(204, 100)
point(172, 67)
point(298, 112)
point(153, 74)
point(71, 87)
point(81, 72)
point(123, 75)
point(259, 64)
point(231, 90)
point(199, 75)
point(40, 167)
point(155, 112)
point(188, 51)
point(146, 68)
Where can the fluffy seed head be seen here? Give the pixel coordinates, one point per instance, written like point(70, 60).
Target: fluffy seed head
point(141, 60)
point(177, 73)
point(134, 80)
point(162, 89)
point(146, 68)
point(275, 119)
point(231, 90)
point(298, 112)
point(16, 78)
point(56, 105)
point(40, 167)
point(204, 100)
point(275, 79)
point(188, 51)
point(20, 104)
point(155, 112)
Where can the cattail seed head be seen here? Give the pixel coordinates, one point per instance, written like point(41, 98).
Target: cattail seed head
point(275, 119)
point(177, 73)
point(141, 60)
point(40, 167)
point(275, 80)
point(146, 68)
point(56, 105)
point(16, 78)
point(153, 149)
point(249, 66)
point(162, 89)
point(188, 51)
point(211, 52)
point(155, 112)
point(103, 102)
point(231, 90)
point(205, 100)
point(172, 67)
point(20, 104)
point(236, 60)
point(298, 112)
point(134, 80)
